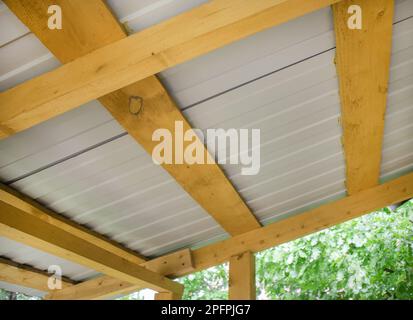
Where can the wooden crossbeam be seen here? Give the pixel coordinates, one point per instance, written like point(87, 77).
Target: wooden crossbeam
point(242, 277)
point(23, 222)
point(25, 276)
point(89, 25)
point(96, 289)
point(21, 202)
point(306, 223)
point(292, 228)
point(184, 37)
point(105, 286)
point(363, 67)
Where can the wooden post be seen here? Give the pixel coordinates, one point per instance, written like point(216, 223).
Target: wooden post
point(242, 277)
point(167, 296)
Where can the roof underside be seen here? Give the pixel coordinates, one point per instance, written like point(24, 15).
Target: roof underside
point(283, 81)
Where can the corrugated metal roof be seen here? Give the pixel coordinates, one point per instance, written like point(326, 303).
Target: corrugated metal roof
point(282, 81)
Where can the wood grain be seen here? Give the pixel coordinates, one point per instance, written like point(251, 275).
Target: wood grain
point(242, 277)
point(26, 276)
point(363, 67)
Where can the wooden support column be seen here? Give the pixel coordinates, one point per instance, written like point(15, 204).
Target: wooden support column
point(242, 277)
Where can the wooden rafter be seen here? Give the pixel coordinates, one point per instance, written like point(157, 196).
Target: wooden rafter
point(363, 62)
point(184, 37)
point(292, 228)
point(24, 222)
point(90, 25)
point(25, 276)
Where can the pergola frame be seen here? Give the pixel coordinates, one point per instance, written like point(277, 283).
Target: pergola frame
point(92, 72)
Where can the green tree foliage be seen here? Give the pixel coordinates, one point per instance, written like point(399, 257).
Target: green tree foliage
point(366, 258)
point(211, 284)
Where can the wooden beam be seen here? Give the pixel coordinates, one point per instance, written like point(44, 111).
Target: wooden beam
point(184, 37)
point(102, 287)
point(306, 223)
point(169, 264)
point(20, 201)
point(205, 183)
point(363, 67)
point(303, 224)
point(31, 225)
point(89, 25)
point(242, 277)
point(26, 276)
point(105, 287)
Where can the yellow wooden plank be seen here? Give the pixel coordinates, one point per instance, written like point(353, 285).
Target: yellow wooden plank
point(206, 183)
point(193, 33)
point(106, 287)
point(306, 223)
point(90, 25)
point(26, 276)
point(168, 265)
point(363, 67)
point(242, 277)
point(95, 289)
point(86, 25)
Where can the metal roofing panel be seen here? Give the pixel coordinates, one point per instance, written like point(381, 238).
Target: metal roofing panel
point(10, 26)
point(297, 110)
point(141, 14)
point(398, 129)
point(261, 54)
point(115, 188)
point(24, 58)
point(82, 164)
